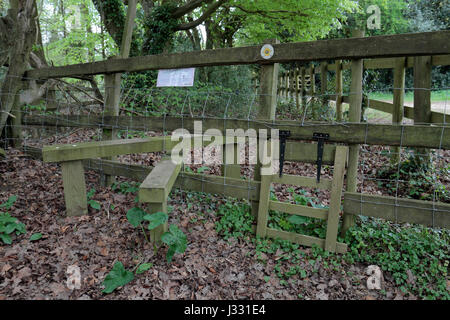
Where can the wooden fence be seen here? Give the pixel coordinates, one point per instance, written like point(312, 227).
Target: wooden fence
point(412, 49)
point(299, 83)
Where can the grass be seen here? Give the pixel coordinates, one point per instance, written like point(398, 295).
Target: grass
point(436, 96)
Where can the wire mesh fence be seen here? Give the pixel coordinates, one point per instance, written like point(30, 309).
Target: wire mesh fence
point(69, 111)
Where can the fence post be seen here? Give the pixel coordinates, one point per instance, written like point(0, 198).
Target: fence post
point(297, 89)
point(112, 82)
point(324, 83)
point(303, 91)
point(339, 89)
point(355, 97)
point(422, 97)
point(267, 107)
point(399, 99)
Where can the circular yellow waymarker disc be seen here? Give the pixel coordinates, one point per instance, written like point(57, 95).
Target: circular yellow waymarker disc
point(267, 51)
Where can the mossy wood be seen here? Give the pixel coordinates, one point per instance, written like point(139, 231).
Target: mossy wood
point(427, 213)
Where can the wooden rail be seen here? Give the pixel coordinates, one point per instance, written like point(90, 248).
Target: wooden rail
point(434, 137)
point(404, 45)
point(427, 213)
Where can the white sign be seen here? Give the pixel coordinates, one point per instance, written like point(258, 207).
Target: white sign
point(267, 51)
point(176, 77)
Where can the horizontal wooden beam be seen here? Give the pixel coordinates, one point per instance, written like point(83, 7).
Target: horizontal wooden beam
point(434, 137)
point(389, 63)
point(299, 210)
point(436, 117)
point(158, 184)
point(303, 240)
point(398, 210)
point(401, 45)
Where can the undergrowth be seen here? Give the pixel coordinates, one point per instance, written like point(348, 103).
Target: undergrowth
point(398, 250)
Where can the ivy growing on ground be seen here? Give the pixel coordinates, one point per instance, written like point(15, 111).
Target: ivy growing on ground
point(399, 250)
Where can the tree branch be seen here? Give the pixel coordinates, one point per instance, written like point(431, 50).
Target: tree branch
point(189, 7)
point(211, 9)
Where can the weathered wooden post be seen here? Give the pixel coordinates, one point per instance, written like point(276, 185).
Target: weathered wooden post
point(303, 91)
point(324, 83)
point(399, 99)
point(339, 90)
point(155, 190)
point(355, 97)
point(422, 98)
point(267, 106)
point(113, 80)
point(297, 89)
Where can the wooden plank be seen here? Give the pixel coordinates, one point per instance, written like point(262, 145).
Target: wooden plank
point(398, 210)
point(428, 43)
point(299, 210)
point(307, 152)
point(301, 181)
point(303, 240)
point(158, 184)
point(236, 188)
point(335, 200)
point(263, 207)
point(74, 188)
point(348, 133)
point(101, 149)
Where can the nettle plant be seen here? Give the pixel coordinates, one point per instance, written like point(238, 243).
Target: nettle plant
point(175, 239)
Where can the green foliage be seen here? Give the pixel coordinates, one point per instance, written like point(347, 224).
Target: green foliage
point(117, 277)
point(125, 187)
point(176, 240)
point(92, 203)
point(235, 220)
point(420, 179)
point(301, 20)
point(156, 219)
point(135, 216)
point(422, 251)
point(9, 224)
point(36, 237)
point(159, 28)
point(143, 268)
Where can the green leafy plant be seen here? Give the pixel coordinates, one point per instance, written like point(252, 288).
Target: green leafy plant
point(176, 240)
point(36, 237)
point(117, 277)
point(143, 268)
point(422, 251)
point(235, 220)
point(9, 224)
point(92, 203)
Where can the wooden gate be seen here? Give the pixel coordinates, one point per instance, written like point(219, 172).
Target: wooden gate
point(331, 215)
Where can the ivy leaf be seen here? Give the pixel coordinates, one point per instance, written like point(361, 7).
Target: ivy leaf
point(156, 219)
point(94, 204)
point(135, 216)
point(36, 237)
point(144, 267)
point(5, 238)
point(298, 219)
point(117, 277)
point(8, 204)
